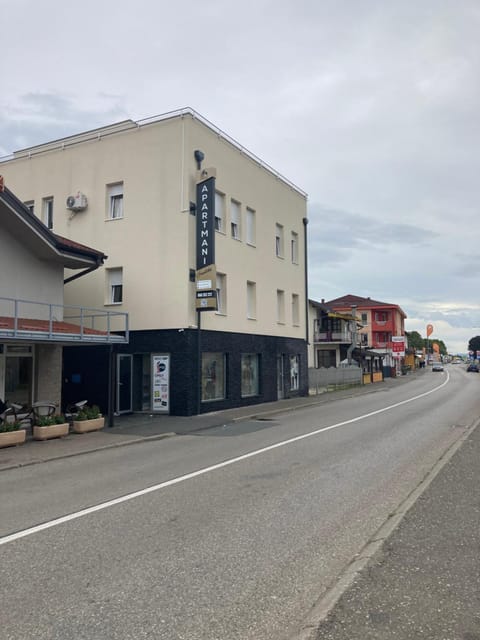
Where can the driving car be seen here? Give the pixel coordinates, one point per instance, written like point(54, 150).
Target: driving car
point(437, 366)
point(473, 367)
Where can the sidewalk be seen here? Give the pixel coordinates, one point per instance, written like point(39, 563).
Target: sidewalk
point(139, 427)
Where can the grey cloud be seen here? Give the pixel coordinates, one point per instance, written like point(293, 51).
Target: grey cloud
point(41, 117)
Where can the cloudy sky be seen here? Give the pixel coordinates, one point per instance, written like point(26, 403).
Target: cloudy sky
point(370, 106)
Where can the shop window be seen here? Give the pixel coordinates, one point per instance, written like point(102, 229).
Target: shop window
point(213, 376)
point(294, 373)
point(18, 377)
point(250, 374)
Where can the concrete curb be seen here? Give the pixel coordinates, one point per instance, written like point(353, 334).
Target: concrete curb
point(73, 454)
point(322, 399)
point(332, 595)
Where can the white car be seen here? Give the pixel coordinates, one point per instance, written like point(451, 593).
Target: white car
point(437, 366)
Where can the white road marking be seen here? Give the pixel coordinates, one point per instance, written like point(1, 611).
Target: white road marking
point(168, 483)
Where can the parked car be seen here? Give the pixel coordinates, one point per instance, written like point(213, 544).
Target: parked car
point(437, 366)
point(473, 367)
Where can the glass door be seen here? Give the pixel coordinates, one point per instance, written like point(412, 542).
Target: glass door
point(124, 383)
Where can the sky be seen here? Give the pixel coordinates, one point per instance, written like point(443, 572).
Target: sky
point(370, 106)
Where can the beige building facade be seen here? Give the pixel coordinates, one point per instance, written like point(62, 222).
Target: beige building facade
point(130, 189)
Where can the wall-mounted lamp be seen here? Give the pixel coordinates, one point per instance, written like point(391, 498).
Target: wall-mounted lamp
point(199, 157)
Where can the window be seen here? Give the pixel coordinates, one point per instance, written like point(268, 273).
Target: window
point(280, 306)
point(294, 373)
point(250, 377)
point(326, 358)
point(235, 214)
point(364, 318)
point(251, 300)
point(279, 240)
point(219, 211)
point(294, 247)
point(295, 309)
point(114, 286)
point(221, 293)
point(381, 316)
point(19, 374)
point(30, 204)
point(213, 376)
point(47, 212)
point(115, 201)
point(250, 226)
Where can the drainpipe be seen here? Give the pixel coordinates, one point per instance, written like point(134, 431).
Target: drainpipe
point(305, 223)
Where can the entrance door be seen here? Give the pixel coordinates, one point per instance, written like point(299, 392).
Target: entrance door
point(2, 374)
point(124, 383)
point(280, 382)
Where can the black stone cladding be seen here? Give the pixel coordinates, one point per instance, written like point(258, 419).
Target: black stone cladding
point(90, 364)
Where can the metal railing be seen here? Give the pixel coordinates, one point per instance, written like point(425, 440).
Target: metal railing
point(42, 321)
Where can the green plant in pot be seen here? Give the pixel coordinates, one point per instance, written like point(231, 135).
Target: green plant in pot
point(47, 427)
point(48, 421)
point(8, 427)
point(11, 434)
point(88, 419)
point(89, 413)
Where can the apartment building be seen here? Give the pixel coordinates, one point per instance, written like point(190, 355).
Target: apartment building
point(131, 189)
point(381, 322)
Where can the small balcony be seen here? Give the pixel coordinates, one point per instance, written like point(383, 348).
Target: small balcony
point(342, 337)
point(27, 320)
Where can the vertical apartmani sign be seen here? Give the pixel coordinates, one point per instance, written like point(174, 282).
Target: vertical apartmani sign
point(206, 222)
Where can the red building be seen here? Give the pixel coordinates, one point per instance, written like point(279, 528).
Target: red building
point(380, 320)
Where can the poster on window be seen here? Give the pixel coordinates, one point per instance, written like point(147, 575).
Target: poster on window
point(161, 383)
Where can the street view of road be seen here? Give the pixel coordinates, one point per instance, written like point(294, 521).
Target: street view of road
point(233, 533)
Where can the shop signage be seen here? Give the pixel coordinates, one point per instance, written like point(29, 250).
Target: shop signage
point(161, 383)
point(398, 345)
point(205, 222)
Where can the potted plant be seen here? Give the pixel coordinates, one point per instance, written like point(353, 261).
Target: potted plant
point(11, 434)
point(47, 427)
point(88, 419)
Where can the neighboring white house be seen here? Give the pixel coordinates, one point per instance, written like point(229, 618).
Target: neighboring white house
point(333, 336)
point(131, 189)
point(34, 323)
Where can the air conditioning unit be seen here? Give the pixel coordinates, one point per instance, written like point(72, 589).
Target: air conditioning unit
point(77, 203)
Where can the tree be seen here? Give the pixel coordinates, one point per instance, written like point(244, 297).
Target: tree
point(474, 344)
point(415, 340)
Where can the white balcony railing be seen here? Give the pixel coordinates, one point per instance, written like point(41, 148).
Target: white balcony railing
point(44, 322)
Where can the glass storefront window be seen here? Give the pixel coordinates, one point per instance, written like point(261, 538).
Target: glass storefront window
point(18, 379)
point(213, 376)
point(250, 374)
point(294, 373)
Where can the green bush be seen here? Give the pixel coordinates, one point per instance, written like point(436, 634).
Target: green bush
point(88, 413)
point(9, 426)
point(48, 421)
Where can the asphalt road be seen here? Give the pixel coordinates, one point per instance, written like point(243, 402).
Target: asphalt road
point(243, 529)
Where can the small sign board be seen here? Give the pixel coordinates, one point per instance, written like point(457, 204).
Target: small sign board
point(206, 288)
